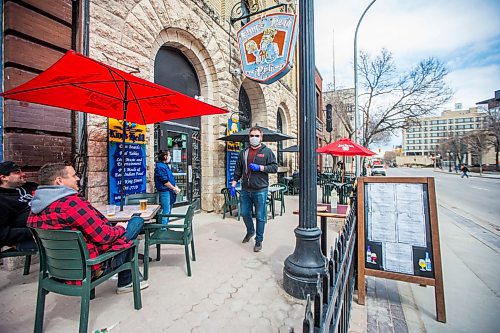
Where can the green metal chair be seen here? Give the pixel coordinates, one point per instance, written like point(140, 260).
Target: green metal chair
point(133, 199)
point(175, 234)
point(280, 196)
point(345, 192)
point(327, 192)
point(230, 202)
point(14, 253)
point(64, 256)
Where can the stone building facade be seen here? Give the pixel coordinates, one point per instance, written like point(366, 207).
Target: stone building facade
point(131, 33)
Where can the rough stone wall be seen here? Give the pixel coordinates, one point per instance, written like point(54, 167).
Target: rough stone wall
point(132, 31)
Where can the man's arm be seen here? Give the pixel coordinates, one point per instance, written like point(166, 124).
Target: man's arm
point(12, 236)
point(9, 233)
point(91, 223)
point(271, 165)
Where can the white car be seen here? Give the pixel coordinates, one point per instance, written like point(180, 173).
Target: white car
point(378, 170)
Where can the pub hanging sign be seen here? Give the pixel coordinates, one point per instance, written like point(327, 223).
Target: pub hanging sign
point(267, 47)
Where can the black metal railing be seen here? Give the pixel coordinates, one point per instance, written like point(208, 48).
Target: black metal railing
point(332, 302)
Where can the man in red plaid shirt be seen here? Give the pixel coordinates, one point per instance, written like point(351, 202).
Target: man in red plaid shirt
point(57, 205)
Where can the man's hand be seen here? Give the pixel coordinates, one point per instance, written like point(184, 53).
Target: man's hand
point(254, 167)
point(121, 224)
point(232, 192)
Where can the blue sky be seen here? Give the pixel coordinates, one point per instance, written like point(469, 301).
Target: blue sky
point(464, 34)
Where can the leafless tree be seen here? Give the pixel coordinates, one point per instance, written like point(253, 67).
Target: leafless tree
point(389, 157)
point(456, 144)
point(492, 128)
point(478, 143)
point(391, 101)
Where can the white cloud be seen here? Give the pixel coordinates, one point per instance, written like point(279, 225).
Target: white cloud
point(474, 84)
point(459, 32)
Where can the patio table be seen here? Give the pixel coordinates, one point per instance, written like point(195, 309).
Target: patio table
point(324, 212)
point(123, 216)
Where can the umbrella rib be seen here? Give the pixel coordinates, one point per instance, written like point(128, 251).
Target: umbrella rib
point(150, 97)
point(75, 84)
point(138, 104)
point(115, 81)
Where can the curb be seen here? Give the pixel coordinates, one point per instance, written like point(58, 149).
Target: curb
point(476, 175)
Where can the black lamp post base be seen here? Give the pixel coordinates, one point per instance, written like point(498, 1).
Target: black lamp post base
point(300, 274)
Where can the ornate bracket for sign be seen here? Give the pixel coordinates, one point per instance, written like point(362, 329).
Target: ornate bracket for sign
point(242, 10)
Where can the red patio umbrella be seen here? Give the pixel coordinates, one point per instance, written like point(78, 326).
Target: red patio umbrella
point(83, 84)
point(345, 147)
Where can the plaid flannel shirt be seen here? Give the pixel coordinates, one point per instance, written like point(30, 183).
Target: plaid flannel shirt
point(76, 213)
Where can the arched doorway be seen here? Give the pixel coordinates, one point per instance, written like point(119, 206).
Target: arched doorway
point(172, 69)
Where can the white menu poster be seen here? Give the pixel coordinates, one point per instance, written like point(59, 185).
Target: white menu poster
point(398, 257)
point(396, 220)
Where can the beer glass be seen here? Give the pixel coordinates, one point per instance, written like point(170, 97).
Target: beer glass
point(110, 210)
point(143, 204)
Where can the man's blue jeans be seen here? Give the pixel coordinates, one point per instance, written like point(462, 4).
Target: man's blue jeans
point(248, 200)
point(134, 227)
point(166, 205)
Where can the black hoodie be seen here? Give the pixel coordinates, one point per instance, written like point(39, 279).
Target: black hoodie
point(256, 180)
point(14, 211)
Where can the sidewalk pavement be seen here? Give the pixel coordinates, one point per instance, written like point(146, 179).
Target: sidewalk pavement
point(491, 175)
point(232, 289)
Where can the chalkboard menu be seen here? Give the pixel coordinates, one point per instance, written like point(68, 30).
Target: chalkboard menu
point(398, 233)
point(232, 149)
point(134, 161)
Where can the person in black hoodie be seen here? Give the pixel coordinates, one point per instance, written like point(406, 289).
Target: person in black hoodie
point(252, 167)
point(15, 198)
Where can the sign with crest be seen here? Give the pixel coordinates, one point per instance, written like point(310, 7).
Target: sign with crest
point(267, 47)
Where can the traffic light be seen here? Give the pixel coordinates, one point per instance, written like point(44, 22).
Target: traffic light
point(329, 127)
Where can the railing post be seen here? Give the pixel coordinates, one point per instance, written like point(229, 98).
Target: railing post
point(308, 322)
point(318, 303)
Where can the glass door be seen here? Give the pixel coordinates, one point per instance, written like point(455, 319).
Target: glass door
point(177, 143)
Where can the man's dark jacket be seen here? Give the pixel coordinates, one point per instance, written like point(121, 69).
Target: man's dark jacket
point(14, 211)
point(255, 180)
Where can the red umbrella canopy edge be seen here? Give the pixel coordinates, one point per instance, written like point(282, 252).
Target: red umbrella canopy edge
point(79, 83)
point(345, 147)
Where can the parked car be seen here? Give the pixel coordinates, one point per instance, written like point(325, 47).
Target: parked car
point(378, 170)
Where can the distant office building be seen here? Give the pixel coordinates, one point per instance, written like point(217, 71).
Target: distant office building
point(423, 138)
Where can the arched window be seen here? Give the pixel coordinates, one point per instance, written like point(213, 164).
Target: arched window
point(174, 71)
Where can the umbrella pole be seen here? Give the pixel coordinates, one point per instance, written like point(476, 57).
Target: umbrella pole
point(122, 185)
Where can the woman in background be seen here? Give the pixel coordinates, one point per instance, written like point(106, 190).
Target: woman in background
point(165, 184)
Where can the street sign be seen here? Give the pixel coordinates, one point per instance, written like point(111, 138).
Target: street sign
point(267, 47)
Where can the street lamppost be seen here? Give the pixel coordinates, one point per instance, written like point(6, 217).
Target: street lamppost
point(301, 268)
point(356, 111)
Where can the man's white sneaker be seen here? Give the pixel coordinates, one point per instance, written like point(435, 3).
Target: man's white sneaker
point(129, 287)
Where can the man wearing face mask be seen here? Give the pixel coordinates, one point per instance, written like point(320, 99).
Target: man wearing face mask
point(252, 167)
point(165, 184)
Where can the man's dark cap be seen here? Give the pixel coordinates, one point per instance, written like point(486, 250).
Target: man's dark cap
point(7, 167)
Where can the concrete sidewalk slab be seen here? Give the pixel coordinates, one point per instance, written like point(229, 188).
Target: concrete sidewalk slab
point(232, 289)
